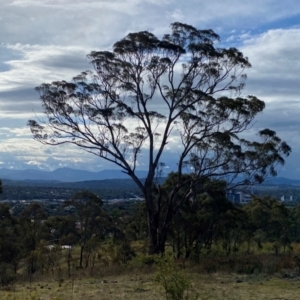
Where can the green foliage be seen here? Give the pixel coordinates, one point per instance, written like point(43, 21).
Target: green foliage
point(270, 220)
point(176, 285)
point(125, 251)
point(231, 229)
point(145, 259)
point(91, 222)
point(31, 228)
point(207, 216)
point(61, 229)
point(7, 274)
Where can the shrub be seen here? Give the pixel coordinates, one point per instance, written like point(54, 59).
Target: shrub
point(174, 282)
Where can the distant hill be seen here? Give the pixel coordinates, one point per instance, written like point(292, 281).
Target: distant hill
point(64, 175)
point(64, 183)
point(281, 181)
point(90, 184)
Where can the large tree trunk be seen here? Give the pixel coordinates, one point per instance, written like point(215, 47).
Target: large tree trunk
point(157, 234)
point(159, 218)
point(156, 242)
point(157, 246)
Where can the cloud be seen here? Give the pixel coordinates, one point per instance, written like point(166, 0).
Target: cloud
point(274, 78)
point(37, 64)
point(22, 153)
point(35, 60)
point(40, 63)
point(100, 23)
point(47, 40)
point(275, 58)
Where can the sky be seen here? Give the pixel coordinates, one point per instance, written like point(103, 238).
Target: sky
point(47, 40)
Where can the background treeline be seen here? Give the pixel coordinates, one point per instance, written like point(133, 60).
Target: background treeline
point(207, 229)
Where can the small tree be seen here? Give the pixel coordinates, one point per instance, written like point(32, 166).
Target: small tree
point(91, 219)
point(30, 224)
point(178, 85)
point(10, 245)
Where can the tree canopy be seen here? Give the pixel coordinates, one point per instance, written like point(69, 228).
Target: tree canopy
point(148, 90)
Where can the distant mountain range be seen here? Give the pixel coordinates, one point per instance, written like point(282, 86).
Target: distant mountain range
point(72, 175)
point(281, 181)
point(64, 175)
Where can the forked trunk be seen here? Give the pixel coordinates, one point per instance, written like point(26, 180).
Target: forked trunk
point(157, 240)
point(157, 234)
point(159, 220)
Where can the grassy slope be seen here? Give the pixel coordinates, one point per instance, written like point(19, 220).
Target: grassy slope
point(141, 286)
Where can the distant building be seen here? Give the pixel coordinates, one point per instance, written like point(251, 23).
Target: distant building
point(239, 196)
point(283, 199)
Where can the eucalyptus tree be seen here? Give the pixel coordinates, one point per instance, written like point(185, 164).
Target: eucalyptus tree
point(9, 238)
point(31, 226)
point(149, 90)
point(90, 219)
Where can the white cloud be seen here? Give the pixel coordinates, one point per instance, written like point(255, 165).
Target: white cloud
point(47, 40)
point(275, 57)
point(42, 63)
point(274, 78)
point(100, 23)
point(23, 152)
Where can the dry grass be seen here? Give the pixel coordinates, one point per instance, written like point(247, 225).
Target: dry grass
point(141, 286)
point(135, 281)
